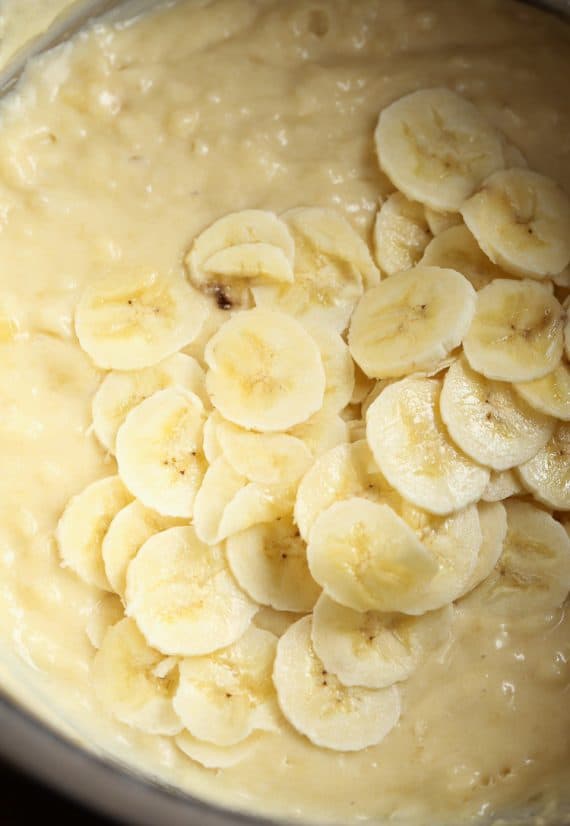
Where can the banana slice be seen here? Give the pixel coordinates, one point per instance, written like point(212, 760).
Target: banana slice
point(219, 487)
point(551, 394)
point(516, 334)
point(329, 714)
point(373, 395)
point(362, 386)
point(502, 485)
point(159, 451)
point(562, 279)
point(401, 234)
point(321, 431)
point(255, 504)
point(520, 220)
point(226, 696)
point(493, 521)
point(489, 421)
point(547, 474)
point(338, 366)
point(265, 371)
point(439, 222)
point(277, 622)
point(270, 563)
point(375, 650)
point(414, 452)
point(211, 445)
point(436, 147)
point(119, 392)
point(456, 249)
point(411, 321)
point(217, 757)
point(183, 597)
point(105, 613)
point(333, 265)
point(123, 675)
point(131, 321)
point(367, 558)
point(83, 525)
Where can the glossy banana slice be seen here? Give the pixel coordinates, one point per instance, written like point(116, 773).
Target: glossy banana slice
point(414, 452)
point(547, 474)
point(493, 521)
point(401, 234)
point(338, 366)
point(183, 597)
point(107, 612)
point(210, 443)
point(321, 431)
point(217, 757)
point(411, 321)
point(255, 504)
point(329, 714)
point(219, 487)
point(265, 371)
point(520, 220)
point(516, 334)
point(436, 147)
point(502, 485)
point(456, 249)
point(136, 320)
point(551, 394)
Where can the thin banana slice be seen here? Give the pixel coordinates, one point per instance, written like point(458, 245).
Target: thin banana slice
point(411, 321)
point(123, 675)
point(414, 452)
point(120, 391)
point(255, 504)
point(401, 234)
point(183, 596)
point(107, 612)
point(211, 445)
point(439, 222)
point(520, 220)
point(136, 320)
point(333, 266)
point(338, 366)
point(493, 521)
point(217, 757)
point(366, 557)
point(373, 649)
point(219, 487)
point(251, 261)
point(436, 147)
point(456, 249)
point(489, 421)
point(321, 432)
point(502, 485)
point(83, 525)
point(270, 563)
point(547, 474)
point(265, 371)
point(329, 714)
point(226, 696)
point(159, 451)
point(516, 334)
point(551, 394)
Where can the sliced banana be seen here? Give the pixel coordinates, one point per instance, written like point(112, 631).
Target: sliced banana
point(269, 562)
point(367, 558)
point(493, 521)
point(120, 391)
point(211, 445)
point(373, 649)
point(489, 421)
point(183, 597)
point(277, 622)
point(456, 249)
point(217, 757)
point(547, 474)
point(411, 321)
point(136, 320)
point(551, 394)
point(338, 366)
point(436, 147)
point(105, 613)
point(516, 334)
point(265, 371)
point(321, 431)
point(83, 525)
point(159, 451)
point(362, 386)
point(520, 220)
point(123, 675)
point(439, 222)
point(226, 696)
point(414, 452)
point(329, 714)
point(255, 504)
point(401, 234)
point(502, 485)
point(219, 487)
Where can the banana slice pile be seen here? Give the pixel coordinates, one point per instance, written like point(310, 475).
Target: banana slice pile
point(318, 446)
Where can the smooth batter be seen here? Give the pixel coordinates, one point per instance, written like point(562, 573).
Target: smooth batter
point(117, 150)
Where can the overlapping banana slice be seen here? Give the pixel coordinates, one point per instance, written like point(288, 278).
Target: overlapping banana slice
point(321, 431)
point(547, 474)
point(338, 366)
point(401, 234)
point(317, 705)
point(107, 612)
point(255, 504)
point(502, 484)
point(493, 522)
point(456, 249)
point(277, 622)
point(219, 487)
point(137, 319)
point(439, 222)
point(217, 757)
point(411, 321)
point(551, 394)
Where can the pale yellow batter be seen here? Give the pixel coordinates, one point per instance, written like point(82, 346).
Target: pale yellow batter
point(117, 151)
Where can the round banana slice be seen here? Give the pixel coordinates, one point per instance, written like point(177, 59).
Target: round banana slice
point(547, 474)
point(489, 421)
point(456, 249)
point(119, 392)
point(333, 266)
point(226, 696)
point(131, 321)
point(329, 714)
point(373, 649)
point(105, 613)
point(367, 558)
point(124, 677)
point(255, 504)
point(516, 334)
point(439, 222)
point(159, 451)
point(401, 234)
point(411, 321)
point(520, 220)
point(493, 521)
point(83, 525)
point(270, 563)
point(322, 431)
point(183, 597)
point(436, 147)
point(219, 487)
point(551, 394)
point(414, 452)
point(502, 485)
point(338, 366)
point(265, 371)
point(217, 757)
